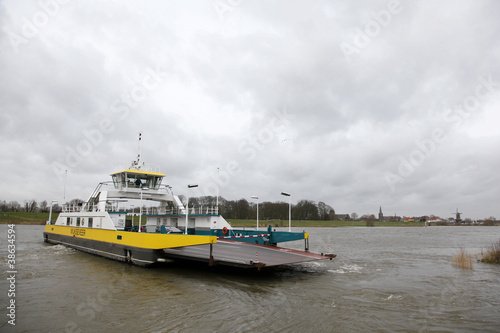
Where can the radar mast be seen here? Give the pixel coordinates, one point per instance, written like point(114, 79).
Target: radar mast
point(137, 164)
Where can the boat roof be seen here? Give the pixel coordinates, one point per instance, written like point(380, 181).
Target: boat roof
point(140, 172)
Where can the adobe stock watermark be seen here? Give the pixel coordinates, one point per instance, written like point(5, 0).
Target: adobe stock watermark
point(120, 109)
point(249, 149)
point(11, 274)
point(455, 117)
point(222, 7)
point(363, 37)
point(93, 305)
point(425, 319)
point(30, 28)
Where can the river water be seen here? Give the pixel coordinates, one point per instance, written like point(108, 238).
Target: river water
point(383, 280)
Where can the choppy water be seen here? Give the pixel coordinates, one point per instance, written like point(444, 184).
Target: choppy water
point(383, 279)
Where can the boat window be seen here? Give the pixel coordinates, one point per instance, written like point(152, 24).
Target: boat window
point(91, 220)
point(153, 182)
point(77, 221)
point(136, 180)
point(115, 181)
point(120, 180)
point(68, 221)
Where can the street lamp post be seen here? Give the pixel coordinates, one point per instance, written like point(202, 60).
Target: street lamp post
point(289, 209)
point(187, 206)
point(140, 208)
point(257, 198)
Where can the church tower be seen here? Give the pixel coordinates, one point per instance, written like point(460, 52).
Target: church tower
point(380, 214)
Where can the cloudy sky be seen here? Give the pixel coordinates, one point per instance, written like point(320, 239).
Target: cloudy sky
point(357, 104)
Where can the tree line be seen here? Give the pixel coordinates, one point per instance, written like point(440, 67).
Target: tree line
point(30, 206)
point(236, 209)
point(33, 206)
point(230, 209)
point(242, 209)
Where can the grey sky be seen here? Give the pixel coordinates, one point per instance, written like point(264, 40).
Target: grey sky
point(360, 104)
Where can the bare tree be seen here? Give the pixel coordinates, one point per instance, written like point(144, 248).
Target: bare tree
point(13, 206)
point(370, 221)
point(490, 221)
point(30, 206)
point(43, 206)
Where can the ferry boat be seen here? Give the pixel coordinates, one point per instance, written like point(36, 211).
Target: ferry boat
point(103, 226)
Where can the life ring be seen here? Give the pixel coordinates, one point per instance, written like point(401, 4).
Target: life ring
point(224, 231)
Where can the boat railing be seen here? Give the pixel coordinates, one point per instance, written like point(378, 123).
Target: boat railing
point(124, 186)
point(211, 210)
point(115, 207)
point(202, 210)
point(80, 207)
point(128, 186)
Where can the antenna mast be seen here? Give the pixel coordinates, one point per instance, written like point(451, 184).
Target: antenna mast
point(137, 164)
point(139, 149)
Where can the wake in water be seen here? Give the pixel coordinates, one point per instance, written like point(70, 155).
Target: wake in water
point(347, 268)
point(58, 249)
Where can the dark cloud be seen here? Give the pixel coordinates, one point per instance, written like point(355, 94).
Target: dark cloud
point(264, 91)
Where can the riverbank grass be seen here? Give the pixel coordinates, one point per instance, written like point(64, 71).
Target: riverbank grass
point(462, 259)
point(25, 218)
point(492, 254)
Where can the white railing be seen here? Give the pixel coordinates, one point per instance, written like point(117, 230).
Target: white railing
point(204, 210)
point(128, 186)
point(79, 208)
point(114, 207)
point(178, 211)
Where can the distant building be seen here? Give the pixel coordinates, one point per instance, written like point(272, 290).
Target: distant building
point(436, 219)
point(342, 217)
point(381, 217)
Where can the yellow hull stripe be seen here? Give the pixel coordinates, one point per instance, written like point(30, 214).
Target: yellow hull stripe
point(135, 239)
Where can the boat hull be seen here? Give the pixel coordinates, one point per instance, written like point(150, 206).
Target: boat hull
point(141, 249)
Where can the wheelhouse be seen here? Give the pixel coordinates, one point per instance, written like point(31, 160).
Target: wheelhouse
point(137, 179)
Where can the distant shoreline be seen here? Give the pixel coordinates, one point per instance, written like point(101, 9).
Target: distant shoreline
point(23, 218)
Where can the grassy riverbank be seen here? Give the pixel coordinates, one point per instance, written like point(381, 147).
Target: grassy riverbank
point(25, 218)
point(41, 218)
point(324, 224)
point(38, 218)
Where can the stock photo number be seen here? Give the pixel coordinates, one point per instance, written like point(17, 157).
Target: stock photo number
point(11, 274)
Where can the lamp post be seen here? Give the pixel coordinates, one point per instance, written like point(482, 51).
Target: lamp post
point(50, 214)
point(187, 207)
point(257, 198)
point(140, 208)
point(289, 209)
point(140, 213)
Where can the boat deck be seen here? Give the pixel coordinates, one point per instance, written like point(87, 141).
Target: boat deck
point(241, 254)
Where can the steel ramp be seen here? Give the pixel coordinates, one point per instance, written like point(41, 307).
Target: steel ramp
point(242, 254)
